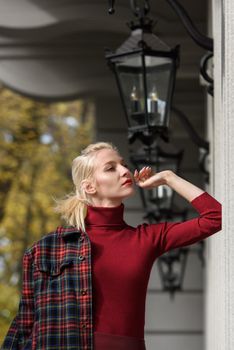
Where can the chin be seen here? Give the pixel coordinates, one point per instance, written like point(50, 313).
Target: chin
point(130, 193)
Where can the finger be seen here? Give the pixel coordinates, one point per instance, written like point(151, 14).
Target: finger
point(136, 172)
point(142, 170)
point(145, 172)
point(136, 175)
point(148, 171)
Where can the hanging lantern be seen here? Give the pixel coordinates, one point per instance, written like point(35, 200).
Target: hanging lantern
point(145, 70)
point(172, 267)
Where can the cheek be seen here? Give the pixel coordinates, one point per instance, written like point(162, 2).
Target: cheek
point(104, 181)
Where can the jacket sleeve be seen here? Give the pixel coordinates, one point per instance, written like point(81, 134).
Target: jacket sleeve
point(171, 235)
point(21, 326)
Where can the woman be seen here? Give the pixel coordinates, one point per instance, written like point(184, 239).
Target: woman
point(85, 284)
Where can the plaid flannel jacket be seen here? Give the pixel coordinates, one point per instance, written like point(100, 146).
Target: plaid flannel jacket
point(60, 261)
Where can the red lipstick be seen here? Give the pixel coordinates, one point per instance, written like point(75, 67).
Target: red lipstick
point(127, 182)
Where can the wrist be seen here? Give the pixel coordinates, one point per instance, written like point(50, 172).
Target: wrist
point(169, 174)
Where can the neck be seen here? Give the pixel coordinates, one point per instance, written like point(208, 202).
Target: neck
point(108, 203)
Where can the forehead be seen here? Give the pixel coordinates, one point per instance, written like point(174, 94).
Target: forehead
point(107, 155)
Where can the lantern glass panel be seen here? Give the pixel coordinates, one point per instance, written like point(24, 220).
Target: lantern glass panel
point(130, 74)
point(146, 87)
point(159, 75)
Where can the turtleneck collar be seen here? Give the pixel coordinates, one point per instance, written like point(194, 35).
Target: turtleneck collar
point(105, 216)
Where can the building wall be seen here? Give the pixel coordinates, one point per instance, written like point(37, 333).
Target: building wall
point(219, 325)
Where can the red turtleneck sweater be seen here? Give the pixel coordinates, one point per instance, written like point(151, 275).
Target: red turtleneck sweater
point(122, 258)
point(57, 309)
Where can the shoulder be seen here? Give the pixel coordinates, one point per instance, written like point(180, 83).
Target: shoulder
point(149, 227)
point(47, 242)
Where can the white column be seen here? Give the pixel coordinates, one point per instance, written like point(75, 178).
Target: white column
point(219, 322)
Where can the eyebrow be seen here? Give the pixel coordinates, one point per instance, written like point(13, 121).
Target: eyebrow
point(113, 161)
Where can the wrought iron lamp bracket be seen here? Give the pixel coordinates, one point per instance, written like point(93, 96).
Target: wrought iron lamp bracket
point(200, 39)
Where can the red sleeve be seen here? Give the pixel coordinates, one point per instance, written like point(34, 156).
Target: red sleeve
point(21, 326)
point(171, 235)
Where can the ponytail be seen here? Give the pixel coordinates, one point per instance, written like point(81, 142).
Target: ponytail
point(73, 209)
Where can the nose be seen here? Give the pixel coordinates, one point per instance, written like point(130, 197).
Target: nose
point(125, 171)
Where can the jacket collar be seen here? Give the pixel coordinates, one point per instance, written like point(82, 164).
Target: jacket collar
point(68, 231)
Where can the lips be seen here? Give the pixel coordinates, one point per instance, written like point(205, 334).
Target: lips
point(127, 182)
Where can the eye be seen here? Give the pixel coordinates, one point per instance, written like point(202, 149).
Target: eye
point(109, 169)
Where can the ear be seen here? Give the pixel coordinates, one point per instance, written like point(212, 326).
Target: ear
point(88, 186)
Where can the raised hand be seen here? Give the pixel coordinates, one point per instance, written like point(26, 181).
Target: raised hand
point(145, 179)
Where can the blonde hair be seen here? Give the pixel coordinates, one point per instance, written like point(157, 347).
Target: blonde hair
point(73, 208)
